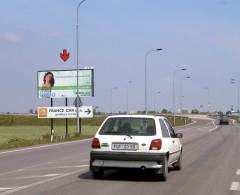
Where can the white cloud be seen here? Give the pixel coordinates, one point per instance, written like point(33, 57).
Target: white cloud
point(10, 37)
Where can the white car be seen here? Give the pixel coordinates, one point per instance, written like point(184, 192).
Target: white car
point(136, 141)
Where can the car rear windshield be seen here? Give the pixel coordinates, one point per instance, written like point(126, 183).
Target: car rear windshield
point(129, 126)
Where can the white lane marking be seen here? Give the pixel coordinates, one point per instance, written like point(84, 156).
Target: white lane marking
point(41, 182)
point(238, 172)
point(61, 167)
point(39, 176)
point(44, 146)
point(76, 166)
point(197, 128)
point(5, 189)
point(193, 122)
point(189, 128)
point(40, 164)
point(235, 186)
point(214, 128)
point(201, 128)
point(19, 170)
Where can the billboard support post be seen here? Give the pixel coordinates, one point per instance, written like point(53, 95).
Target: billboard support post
point(80, 126)
point(66, 104)
point(52, 119)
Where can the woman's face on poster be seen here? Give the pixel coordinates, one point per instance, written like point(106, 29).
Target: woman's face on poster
point(48, 78)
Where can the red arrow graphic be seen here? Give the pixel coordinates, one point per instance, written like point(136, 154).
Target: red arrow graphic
point(64, 55)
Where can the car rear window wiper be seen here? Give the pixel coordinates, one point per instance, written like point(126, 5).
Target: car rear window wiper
point(128, 135)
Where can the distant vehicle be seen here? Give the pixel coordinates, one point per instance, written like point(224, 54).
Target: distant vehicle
point(223, 119)
point(136, 141)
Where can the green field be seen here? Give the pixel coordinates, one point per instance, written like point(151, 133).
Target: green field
point(36, 132)
point(18, 131)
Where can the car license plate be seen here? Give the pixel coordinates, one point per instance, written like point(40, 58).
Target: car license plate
point(125, 146)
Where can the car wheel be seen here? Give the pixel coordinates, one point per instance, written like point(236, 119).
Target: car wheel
point(98, 174)
point(178, 164)
point(164, 173)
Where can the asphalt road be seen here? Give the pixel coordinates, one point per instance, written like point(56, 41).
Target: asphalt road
point(211, 165)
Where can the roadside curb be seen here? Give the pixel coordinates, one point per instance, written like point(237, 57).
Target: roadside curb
point(188, 124)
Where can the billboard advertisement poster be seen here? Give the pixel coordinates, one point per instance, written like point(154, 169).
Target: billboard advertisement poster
point(65, 112)
point(63, 83)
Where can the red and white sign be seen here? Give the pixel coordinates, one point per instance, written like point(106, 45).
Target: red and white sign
point(64, 55)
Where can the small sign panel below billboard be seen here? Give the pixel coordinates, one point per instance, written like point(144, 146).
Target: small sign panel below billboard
point(65, 112)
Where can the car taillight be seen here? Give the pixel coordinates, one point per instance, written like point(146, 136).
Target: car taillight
point(156, 144)
point(95, 143)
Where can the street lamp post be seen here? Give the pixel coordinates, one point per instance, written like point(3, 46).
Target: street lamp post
point(78, 123)
point(155, 97)
point(146, 55)
point(208, 96)
point(173, 93)
point(234, 81)
point(181, 95)
point(129, 82)
point(114, 88)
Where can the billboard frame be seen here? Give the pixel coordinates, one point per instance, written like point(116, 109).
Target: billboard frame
point(82, 69)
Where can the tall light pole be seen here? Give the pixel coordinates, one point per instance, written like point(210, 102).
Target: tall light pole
point(78, 123)
point(208, 96)
point(155, 97)
point(181, 86)
point(146, 55)
point(234, 81)
point(112, 89)
point(129, 82)
point(173, 93)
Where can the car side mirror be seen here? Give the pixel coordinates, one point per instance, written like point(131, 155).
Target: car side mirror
point(179, 135)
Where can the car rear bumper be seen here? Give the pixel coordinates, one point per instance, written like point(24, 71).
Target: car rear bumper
point(126, 160)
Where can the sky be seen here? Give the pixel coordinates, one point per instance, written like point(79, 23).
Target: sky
point(114, 36)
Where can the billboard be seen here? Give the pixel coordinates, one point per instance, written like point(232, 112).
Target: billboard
point(65, 112)
point(63, 83)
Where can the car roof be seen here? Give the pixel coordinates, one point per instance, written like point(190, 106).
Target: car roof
point(136, 116)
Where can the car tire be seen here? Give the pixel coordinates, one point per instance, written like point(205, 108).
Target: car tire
point(178, 164)
point(98, 174)
point(164, 173)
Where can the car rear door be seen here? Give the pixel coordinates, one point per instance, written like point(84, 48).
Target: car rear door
point(167, 140)
point(175, 146)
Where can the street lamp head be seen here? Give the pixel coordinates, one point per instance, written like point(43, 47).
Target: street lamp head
point(188, 77)
point(159, 49)
point(183, 69)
